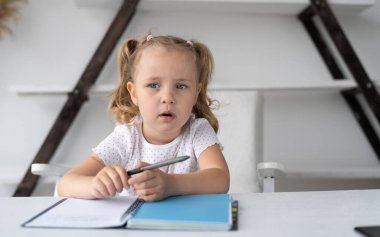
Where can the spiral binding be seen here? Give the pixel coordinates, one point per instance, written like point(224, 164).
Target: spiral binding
point(132, 209)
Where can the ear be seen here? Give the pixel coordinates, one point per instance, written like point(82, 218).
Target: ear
point(132, 91)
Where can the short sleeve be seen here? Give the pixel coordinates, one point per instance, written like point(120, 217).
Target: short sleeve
point(114, 147)
point(204, 136)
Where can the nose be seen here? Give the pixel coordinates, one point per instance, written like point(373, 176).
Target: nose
point(167, 97)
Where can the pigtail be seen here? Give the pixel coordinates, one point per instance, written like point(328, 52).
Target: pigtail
point(204, 105)
point(121, 104)
point(124, 58)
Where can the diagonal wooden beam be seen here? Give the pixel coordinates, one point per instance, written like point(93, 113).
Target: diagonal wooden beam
point(79, 95)
point(343, 45)
point(306, 17)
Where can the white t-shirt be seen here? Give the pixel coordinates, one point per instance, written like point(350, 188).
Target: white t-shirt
point(126, 146)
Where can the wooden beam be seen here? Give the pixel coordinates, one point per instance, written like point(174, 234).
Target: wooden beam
point(348, 54)
point(79, 95)
point(336, 72)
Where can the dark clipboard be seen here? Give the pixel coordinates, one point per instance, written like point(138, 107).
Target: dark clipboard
point(369, 231)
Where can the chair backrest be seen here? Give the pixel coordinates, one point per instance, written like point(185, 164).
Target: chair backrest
point(241, 133)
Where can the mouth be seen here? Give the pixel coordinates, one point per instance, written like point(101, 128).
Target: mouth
point(167, 115)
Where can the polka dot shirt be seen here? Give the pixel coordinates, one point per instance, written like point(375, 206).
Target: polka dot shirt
point(126, 146)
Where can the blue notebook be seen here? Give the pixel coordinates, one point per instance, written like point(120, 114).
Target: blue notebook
point(190, 212)
point(194, 212)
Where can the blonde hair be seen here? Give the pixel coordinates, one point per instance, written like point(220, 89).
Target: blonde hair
point(121, 105)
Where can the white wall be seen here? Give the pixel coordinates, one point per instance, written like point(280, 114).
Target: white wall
point(55, 39)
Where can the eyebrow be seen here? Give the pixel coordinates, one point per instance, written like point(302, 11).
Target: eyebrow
point(184, 80)
point(150, 79)
point(177, 80)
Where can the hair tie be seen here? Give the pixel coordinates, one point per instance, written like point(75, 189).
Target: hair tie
point(149, 37)
point(189, 42)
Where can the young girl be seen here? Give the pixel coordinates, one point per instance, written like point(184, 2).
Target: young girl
point(163, 111)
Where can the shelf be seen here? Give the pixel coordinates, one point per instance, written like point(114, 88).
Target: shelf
point(259, 86)
point(290, 7)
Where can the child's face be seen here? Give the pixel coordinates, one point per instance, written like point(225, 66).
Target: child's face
point(165, 89)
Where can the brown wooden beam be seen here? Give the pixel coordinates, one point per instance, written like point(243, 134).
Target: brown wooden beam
point(336, 72)
point(343, 45)
point(79, 95)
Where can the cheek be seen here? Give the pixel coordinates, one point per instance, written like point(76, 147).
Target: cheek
point(192, 101)
point(147, 102)
point(141, 96)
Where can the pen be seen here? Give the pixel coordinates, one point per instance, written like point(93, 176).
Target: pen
point(157, 165)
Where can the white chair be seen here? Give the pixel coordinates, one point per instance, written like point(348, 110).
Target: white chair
point(241, 133)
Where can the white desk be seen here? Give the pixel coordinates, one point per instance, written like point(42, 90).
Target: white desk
point(330, 213)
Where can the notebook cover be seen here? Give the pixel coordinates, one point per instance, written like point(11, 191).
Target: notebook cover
point(211, 211)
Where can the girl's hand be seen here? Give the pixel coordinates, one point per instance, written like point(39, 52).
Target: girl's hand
point(150, 185)
point(109, 181)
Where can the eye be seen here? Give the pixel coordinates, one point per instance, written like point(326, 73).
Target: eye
point(153, 85)
point(181, 86)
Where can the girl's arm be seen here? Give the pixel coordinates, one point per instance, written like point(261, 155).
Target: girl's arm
point(213, 177)
point(91, 179)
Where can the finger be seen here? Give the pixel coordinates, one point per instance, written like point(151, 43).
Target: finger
point(123, 176)
point(97, 194)
point(142, 177)
point(116, 179)
point(99, 189)
point(147, 184)
point(141, 193)
point(108, 183)
point(150, 197)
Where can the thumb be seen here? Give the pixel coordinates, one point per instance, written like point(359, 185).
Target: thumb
point(141, 164)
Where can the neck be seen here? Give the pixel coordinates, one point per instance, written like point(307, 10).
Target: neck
point(159, 138)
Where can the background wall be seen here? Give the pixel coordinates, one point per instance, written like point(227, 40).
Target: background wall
point(54, 41)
